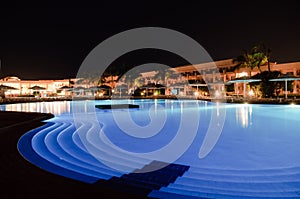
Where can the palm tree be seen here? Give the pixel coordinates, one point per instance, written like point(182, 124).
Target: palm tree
point(262, 54)
point(170, 74)
point(245, 60)
point(258, 56)
point(160, 76)
point(138, 81)
point(129, 80)
point(110, 72)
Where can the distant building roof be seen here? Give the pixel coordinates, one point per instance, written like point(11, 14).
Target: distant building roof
point(11, 78)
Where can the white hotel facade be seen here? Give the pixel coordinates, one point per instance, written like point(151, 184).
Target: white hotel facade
point(23, 87)
point(188, 72)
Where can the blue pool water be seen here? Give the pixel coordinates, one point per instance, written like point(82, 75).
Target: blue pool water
point(231, 150)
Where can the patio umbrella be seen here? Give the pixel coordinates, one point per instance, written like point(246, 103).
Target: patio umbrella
point(244, 80)
point(100, 88)
point(79, 88)
point(176, 86)
point(152, 86)
point(4, 87)
point(285, 78)
point(197, 85)
point(37, 88)
point(66, 88)
point(121, 87)
point(103, 86)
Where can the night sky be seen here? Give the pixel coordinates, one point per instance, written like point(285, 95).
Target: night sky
point(51, 43)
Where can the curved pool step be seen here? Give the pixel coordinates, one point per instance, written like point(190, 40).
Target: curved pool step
point(250, 189)
point(246, 172)
point(239, 177)
point(184, 194)
point(26, 150)
point(54, 149)
point(76, 139)
point(53, 146)
point(39, 146)
point(41, 149)
point(93, 137)
point(79, 150)
point(93, 144)
point(108, 157)
point(234, 184)
point(144, 183)
point(64, 141)
point(238, 189)
point(189, 192)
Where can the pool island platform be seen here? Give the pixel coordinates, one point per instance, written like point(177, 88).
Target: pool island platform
point(116, 106)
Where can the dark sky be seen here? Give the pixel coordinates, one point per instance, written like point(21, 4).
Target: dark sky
point(49, 43)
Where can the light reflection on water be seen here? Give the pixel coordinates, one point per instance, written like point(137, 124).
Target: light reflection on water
point(254, 136)
point(244, 115)
point(56, 108)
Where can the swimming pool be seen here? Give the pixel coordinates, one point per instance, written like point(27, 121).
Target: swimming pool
point(252, 151)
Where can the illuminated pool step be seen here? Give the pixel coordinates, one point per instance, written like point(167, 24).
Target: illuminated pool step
point(235, 188)
point(52, 143)
point(238, 184)
point(144, 183)
point(61, 155)
point(98, 148)
point(56, 160)
point(64, 140)
point(188, 192)
point(281, 176)
point(55, 144)
point(45, 140)
point(57, 147)
point(40, 147)
point(25, 147)
point(246, 172)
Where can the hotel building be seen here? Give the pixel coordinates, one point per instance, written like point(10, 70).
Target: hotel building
point(194, 75)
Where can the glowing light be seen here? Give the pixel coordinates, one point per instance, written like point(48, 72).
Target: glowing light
point(251, 93)
point(196, 93)
point(242, 74)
